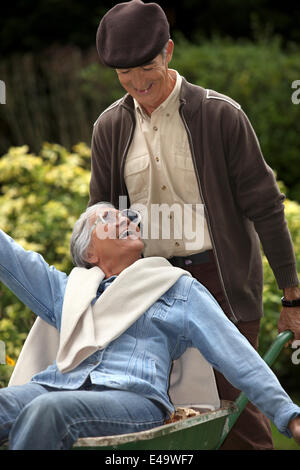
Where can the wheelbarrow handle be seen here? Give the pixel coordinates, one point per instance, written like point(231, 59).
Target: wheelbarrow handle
point(276, 347)
point(242, 400)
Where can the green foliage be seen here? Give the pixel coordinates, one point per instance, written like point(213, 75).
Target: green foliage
point(288, 373)
point(49, 21)
point(55, 96)
point(259, 77)
point(58, 95)
point(42, 197)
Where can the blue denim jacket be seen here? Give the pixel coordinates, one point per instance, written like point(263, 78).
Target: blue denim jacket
point(140, 359)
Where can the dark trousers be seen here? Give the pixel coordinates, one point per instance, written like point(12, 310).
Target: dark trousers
point(252, 429)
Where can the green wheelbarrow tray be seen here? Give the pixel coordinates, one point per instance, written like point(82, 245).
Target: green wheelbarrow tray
point(206, 431)
point(201, 432)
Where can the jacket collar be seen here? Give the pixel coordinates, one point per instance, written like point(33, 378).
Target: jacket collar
point(186, 96)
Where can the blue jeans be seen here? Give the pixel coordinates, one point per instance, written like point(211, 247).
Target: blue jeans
point(33, 416)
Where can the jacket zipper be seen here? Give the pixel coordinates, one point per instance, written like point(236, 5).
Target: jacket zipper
point(233, 318)
point(125, 154)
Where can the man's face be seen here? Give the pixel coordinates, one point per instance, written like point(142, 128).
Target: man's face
point(148, 84)
point(118, 239)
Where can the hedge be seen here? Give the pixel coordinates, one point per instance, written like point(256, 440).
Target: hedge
point(57, 96)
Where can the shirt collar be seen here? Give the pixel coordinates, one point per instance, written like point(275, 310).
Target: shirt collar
point(104, 284)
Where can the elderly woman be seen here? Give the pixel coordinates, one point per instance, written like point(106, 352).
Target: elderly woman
point(116, 342)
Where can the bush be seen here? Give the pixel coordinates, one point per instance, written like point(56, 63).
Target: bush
point(55, 96)
point(286, 371)
point(58, 95)
point(42, 197)
point(259, 77)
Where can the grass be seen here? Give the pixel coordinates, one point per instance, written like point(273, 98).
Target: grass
point(281, 442)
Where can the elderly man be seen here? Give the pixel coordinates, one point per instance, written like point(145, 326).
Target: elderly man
point(111, 371)
point(171, 143)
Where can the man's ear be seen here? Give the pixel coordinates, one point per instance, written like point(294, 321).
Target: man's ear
point(169, 52)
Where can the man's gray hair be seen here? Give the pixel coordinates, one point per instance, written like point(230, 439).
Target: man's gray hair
point(81, 236)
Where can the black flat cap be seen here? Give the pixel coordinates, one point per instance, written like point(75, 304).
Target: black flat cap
point(132, 34)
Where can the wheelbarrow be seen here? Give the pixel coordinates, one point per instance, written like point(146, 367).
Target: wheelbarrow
point(206, 431)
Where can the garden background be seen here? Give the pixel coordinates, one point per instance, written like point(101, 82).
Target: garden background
point(56, 88)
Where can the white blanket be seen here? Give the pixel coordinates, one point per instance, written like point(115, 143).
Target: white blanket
point(86, 328)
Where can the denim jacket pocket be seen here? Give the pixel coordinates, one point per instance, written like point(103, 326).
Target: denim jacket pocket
point(163, 307)
point(141, 371)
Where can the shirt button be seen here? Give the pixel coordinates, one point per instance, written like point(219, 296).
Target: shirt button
point(168, 114)
point(157, 159)
point(155, 128)
point(164, 187)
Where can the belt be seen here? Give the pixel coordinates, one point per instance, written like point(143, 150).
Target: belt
point(186, 261)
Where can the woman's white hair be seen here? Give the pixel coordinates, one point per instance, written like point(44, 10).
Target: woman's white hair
point(81, 236)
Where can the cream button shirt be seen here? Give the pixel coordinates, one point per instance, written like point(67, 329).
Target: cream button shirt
point(161, 182)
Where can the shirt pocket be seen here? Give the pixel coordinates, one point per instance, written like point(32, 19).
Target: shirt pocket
point(185, 183)
point(136, 174)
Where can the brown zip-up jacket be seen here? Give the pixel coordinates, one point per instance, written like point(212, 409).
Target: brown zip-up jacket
point(242, 201)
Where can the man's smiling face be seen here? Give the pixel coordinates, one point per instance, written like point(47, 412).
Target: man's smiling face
point(149, 84)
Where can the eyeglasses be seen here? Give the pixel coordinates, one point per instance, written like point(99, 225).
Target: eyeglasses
point(111, 216)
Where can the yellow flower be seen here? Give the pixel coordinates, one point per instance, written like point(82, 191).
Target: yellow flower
point(10, 361)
